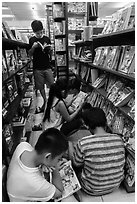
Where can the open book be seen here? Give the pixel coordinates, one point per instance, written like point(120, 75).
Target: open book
point(44, 46)
point(69, 180)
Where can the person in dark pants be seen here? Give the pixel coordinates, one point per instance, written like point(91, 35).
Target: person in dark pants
point(40, 49)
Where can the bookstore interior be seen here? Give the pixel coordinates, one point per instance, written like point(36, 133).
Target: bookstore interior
point(93, 42)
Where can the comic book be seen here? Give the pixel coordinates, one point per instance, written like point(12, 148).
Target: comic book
point(123, 96)
point(118, 124)
point(104, 54)
point(97, 55)
point(128, 56)
point(61, 60)
point(59, 28)
point(112, 95)
point(58, 11)
point(99, 81)
point(69, 180)
point(11, 61)
point(60, 44)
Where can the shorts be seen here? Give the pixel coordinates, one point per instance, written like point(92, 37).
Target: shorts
point(42, 77)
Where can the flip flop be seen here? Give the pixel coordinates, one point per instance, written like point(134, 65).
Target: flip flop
point(39, 110)
point(37, 127)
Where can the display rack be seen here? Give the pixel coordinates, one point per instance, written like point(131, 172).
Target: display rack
point(61, 39)
point(12, 100)
point(100, 95)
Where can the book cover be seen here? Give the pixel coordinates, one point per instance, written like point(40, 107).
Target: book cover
point(12, 89)
point(69, 180)
point(4, 68)
point(128, 126)
point(110, 115)
point(61, 60)
point(131, 102)
point(104, 54)
point(11, 62)
point(59, 28)
point(8, 31)
point(128, 57)
point(99, 82)
point(60, 44)
point(123, 96)
point(58, 11)
point(112, 95)
point(93, 99)
point(111, 82)
point(131, 113)
point(118, 124)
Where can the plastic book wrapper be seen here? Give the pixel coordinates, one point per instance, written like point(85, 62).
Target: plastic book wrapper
point(69, 180)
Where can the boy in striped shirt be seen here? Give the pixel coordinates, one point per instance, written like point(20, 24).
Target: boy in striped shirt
point(101, 156)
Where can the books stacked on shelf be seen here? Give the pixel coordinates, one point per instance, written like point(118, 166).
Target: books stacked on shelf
point(11, 89)
point(4, 68)
point(123, 96)
point(127, 63)
point(99, 82)
point(60, 44)
point(58, 11)
point(76, 7)
point(69, 180)
point(112, 58)
point(59, 28)
point(7, 133)
point(61, 60)
point(11, 61)
point(7, 30)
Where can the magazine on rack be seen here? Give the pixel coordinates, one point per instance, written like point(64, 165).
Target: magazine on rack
point(69, 180)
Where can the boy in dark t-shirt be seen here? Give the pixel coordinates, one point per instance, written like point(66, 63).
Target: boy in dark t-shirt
point(40, 51)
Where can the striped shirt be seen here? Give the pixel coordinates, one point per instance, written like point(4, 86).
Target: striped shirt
point(103, 159)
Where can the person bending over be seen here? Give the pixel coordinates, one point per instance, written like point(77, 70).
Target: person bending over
point(100, 157)
point(25, 178)
point(40, 51)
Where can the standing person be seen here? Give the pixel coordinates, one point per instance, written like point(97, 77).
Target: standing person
point(26, 182)
point(100, 157)
point(40, 51)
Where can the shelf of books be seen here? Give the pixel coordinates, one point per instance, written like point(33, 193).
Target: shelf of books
point(15, 83)
point(113, 86)
point(61, 38)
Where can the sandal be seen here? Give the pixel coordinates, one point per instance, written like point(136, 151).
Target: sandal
point(37, 127)
point(39, 110)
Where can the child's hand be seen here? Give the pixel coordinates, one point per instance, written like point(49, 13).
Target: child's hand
point(35, 44)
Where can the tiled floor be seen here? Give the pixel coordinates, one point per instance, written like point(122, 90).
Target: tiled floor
point(119, 195)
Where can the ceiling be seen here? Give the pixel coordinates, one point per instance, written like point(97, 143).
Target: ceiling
point(24, 11)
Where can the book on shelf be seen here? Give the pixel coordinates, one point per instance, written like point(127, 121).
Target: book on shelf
point(131, 113)
point(7, 133)
point(83, 72)
point(61, 60)
point(126, 59)
point(123, 96)
point(20, 79)
point(118, 124)
point(104, 54)
point(7, 30)
point(128, 126)
point(112, 94)
point(4, 68)
point(106, 106)
point(131, 22)
point(12, 89)
point(76, 7)
point(5, 99)
point(59, 28)
point(98, 101)
point(58, 11)
point(110, 82)
point(69, 180)
point(112, 58)
point(110, 115)
point(99, 82)
point(60, 44)
point(71, 39)
point(26, 102)
point(93, 98)
point(131, 102)
point(11, 61)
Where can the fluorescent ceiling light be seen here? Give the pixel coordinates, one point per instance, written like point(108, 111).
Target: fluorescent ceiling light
point(7, 16)
point(5, 8)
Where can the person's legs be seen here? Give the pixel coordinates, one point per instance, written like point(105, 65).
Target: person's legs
point(49, 79)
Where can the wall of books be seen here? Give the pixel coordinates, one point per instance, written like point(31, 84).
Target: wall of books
point(113, 86)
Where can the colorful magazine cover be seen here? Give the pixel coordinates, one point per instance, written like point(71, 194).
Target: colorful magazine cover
point(69, 180)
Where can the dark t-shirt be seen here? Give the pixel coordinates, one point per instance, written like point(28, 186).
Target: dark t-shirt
point(40, 58)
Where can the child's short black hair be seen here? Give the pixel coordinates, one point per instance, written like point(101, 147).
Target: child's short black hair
point(94, 117)
point(51, 140)
point(36, 26)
